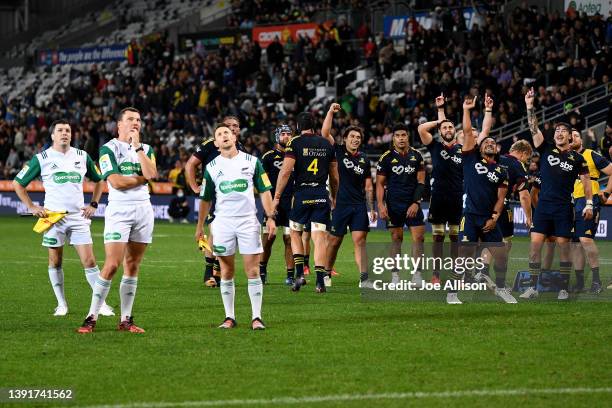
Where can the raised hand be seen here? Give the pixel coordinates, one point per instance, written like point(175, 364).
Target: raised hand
point(469, 104)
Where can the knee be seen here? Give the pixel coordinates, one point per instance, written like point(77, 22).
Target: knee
point(397, 237)
point(360, 241)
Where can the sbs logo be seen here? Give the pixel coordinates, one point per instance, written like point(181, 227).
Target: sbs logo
point(62, 177)
point(278, 164)
point(403, 169)
point(554, 161)
point(350, 165)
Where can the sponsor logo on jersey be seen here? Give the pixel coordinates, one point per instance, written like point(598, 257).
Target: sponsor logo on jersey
point(403, 169)
point(266, 180)
point(62, 177)
point(105, 163)
point(447, 156)
point(54, 166)
point(555, 161)
point(77, 164)
point(482, 169)
point(350, 165)
point(239, 186)
point(129, 168)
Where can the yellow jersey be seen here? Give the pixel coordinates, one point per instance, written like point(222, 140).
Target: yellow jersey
point(596, 162)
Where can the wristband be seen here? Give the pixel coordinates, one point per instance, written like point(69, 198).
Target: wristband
point(94, 204)
point(488, 110)
point(140, 149)
point(589, 202)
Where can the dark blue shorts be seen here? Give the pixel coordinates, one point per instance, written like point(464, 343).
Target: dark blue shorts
point(471, 226)
point(309, 208)
point(582, 228)
point(506, 222)
point(211, 214)
point(445, 209)
point(353, 216)
point(282, 214)
point(558, 221)
point(398, 217)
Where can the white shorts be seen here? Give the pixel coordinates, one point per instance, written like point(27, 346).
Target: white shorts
point(125, 222)
point(226, 231)
point(72, 226)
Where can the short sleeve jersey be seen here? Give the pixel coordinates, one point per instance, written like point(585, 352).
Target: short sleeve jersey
point(207, 151)
point(558, 171)
point(401, 173)
point(117, 157)
point(517, 174)
point(313, 155)
point(62, 177)
point(272, 161)
point(354, 170)
point(482, 179)
point(231, 183)
point(595, 162)
point(447, 173)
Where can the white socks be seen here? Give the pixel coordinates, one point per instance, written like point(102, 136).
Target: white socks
point(227, 294)
point(100, 291)
point(91, 274)
point(256, 296)
point(127, 292)
point(56, 276)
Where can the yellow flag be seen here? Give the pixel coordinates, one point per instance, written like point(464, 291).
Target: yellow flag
point(43, 224)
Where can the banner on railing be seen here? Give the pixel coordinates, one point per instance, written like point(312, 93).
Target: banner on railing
point(590, 7)
point(395, 27)
point(90, 55)
point(266, 35)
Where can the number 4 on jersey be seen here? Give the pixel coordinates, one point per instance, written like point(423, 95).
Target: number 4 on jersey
point(313, 166)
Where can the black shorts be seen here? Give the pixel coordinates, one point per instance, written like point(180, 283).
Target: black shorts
point(585, 228)
point(558, 221)
point(308, 208)
point(282, 214)
point(470, 230)
point(445, 209)
point(399, 218)
point(506, 222)
point(353, 216)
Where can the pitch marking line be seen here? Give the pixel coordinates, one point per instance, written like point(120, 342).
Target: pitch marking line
point(360, 397)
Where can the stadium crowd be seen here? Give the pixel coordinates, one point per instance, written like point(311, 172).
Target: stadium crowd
point(182, 96)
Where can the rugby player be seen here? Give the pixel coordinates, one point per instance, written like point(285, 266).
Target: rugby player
point(312, 159)
point(486, 186)
point(272, 162)
point(584, 230)
point(355, 196)
point(128, 165)
point(231, 179)
point(446, 204)
point(63, 170)
point(559, 168)
point(400, 183)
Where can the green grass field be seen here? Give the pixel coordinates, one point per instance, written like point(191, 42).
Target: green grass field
point(324, 350)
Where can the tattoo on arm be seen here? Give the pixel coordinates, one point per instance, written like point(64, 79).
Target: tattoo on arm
point(532, 119)
point(370, 200)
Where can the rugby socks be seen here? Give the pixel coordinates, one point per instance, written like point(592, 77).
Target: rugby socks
point(596, 277)
point(217, 270)
point(535, 268)
point(363, 276)
point(298, 260)
point(328, 272)
point(321, 274)
point(306, 261)
point(486, 269)
point(56, 276)
point(100, 292)
point(291, 272)
point(580, 278)
point(565, 269)
point(127, 292)
point(255, 287)
point(227, 295)
point(500, 275)
point(263, 271)
point(91, 274)
point(208, 271)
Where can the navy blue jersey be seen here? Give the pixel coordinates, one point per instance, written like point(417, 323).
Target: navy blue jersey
point(313, 155)
point(517, 175)
point(558, 171)
point(272, 161)
point(207, 151)
point(353, 169)
point(482, 179)
point(401, 173)
point(447, 173)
